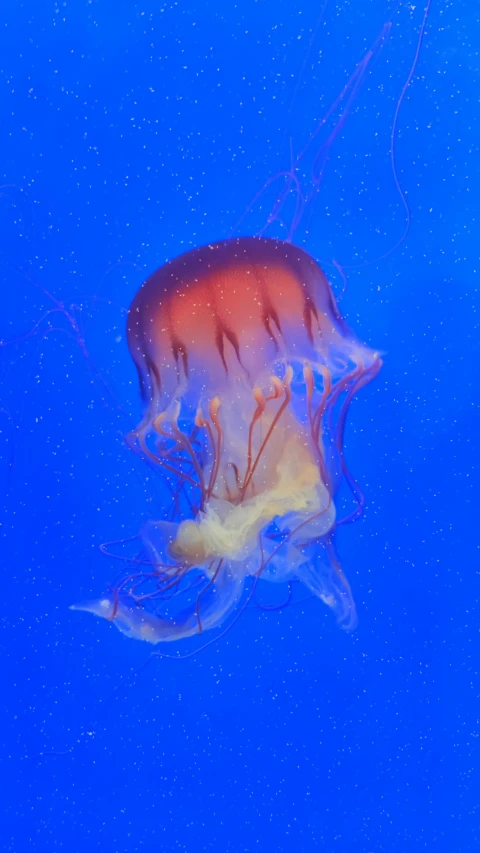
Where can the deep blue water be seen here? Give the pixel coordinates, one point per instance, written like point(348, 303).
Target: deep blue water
point(130, 133)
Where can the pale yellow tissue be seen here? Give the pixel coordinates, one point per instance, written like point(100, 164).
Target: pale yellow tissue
point(226, 530)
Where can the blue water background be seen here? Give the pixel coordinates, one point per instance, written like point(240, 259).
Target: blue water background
point(129, 133)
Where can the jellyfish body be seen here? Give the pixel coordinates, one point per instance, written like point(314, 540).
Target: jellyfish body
point(246, 370)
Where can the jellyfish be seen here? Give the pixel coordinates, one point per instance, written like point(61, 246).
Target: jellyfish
point(247, 371)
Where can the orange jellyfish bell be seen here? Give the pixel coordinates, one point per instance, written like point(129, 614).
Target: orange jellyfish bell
point(247, 369)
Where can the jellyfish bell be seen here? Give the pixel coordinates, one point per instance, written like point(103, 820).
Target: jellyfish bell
point(246, 370)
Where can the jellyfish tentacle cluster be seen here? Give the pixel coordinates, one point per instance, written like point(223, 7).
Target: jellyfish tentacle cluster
point(247, 370)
